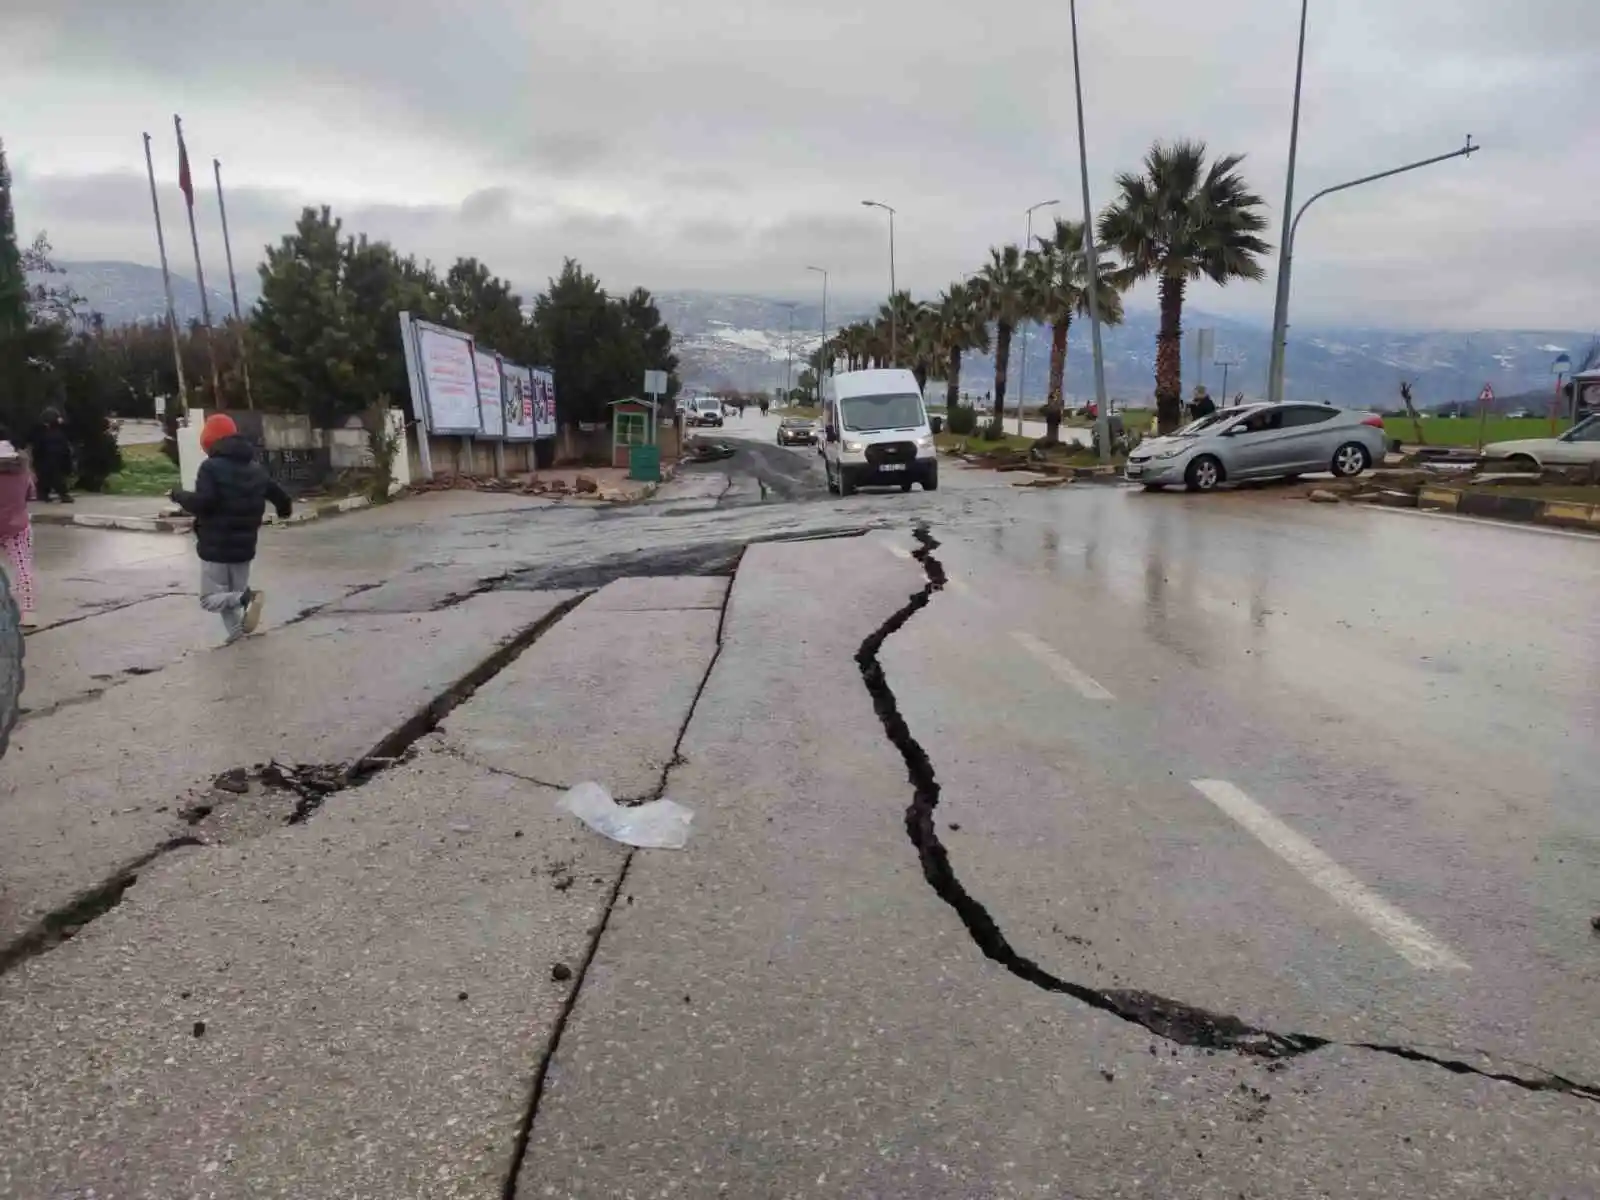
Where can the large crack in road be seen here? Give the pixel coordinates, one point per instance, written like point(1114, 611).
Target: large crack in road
point(1173, 1020)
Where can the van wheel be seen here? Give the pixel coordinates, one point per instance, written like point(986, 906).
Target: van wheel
point(906, 486)
point(1204, 474)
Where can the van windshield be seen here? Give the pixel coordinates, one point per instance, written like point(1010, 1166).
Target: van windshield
point(863, 414)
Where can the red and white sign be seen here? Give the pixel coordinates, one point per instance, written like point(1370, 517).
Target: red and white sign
point(1487, 395)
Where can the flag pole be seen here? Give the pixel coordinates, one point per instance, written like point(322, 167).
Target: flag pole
point(186, 183)
point(166, 277)
point(233, 286)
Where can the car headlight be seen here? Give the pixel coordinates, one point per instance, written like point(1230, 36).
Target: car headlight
point(1173, 453)
point(925, 443)
point(854, 447)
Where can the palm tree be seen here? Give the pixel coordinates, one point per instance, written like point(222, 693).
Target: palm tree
point(896, 319)
point(1060, 283)
point(1002, 288)
point(1179, 221)
point(923, 348)
point(963, 326)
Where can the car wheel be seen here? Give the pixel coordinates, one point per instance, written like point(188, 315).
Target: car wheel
point(1204, 474)
point(1523, 462)
point(1351, 459)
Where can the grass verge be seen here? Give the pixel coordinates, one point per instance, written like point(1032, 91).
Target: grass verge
point(1463, 431)
point(145, 472)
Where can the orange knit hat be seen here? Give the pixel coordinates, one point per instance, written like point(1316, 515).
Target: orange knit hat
point(217, 427)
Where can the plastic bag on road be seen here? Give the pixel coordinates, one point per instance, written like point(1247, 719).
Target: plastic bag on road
point(658, 825)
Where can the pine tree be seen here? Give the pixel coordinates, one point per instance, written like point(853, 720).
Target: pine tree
point(13, 283)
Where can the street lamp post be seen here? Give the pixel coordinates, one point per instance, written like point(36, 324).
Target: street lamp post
point(1280, 316)
point(1027, 326)
point(1092, 259)
point(894, 336)
point(822, 351)
point(1280, 310)
point(788, 361)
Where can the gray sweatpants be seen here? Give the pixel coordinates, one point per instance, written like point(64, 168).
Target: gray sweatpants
point(222, 588)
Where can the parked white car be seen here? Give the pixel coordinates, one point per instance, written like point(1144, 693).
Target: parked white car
point(1578, 447)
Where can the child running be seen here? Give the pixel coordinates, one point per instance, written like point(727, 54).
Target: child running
point(228, 502)
point(16, 528)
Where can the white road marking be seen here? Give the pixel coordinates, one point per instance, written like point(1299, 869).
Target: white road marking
point(1086, 687)
point(1412, 942)
point(897, 551)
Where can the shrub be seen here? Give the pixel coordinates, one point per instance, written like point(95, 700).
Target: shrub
point(961, 419)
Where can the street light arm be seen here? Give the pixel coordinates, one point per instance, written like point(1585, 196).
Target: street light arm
point(1466, 151)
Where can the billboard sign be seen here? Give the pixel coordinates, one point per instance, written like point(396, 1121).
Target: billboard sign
point(447, 380)
point(517, 402)
point(544, 403)
point(487, 368)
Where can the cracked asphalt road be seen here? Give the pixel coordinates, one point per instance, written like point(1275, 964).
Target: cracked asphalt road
point(1085, 843)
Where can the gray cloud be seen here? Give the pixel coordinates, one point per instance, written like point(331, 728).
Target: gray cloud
point(702, 145)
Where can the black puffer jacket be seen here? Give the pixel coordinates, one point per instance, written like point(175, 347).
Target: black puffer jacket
point(229, 499)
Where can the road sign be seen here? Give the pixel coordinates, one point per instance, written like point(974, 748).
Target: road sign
point(1487, 395)
point(655, 383)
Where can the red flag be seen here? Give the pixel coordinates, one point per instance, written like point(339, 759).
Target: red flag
point(185, 183)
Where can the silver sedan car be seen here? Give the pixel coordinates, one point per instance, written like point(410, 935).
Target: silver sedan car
point(1259, 441)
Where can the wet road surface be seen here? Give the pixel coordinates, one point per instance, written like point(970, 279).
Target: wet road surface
point(1086, 843)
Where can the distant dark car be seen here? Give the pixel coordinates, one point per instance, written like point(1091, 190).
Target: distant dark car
point(797, 431)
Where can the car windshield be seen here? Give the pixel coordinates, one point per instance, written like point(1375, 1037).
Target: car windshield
point(1586, 430)
point(797, 423)
point(900, 410)
point(1216, 418)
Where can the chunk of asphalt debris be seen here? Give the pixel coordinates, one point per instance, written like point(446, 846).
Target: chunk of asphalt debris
point(199, 1029)
point(561, 972)
point(233, 780)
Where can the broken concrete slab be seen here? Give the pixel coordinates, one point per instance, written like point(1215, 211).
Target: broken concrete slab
point(603, 696)
point(642, 594)
point(93, 787)
point(351, 1007)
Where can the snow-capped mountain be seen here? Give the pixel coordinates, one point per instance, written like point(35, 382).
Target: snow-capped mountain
point(740, 341)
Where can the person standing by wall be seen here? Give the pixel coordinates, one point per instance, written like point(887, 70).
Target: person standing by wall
point(52, 456)
point(228, 502)
point(16, 528)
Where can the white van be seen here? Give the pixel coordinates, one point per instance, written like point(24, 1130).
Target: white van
point(875, 432)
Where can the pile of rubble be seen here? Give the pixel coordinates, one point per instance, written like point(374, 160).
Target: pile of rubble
point(523, 485)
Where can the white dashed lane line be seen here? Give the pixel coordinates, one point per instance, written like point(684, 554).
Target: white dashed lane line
point(1061, 667)
point(1408, 939)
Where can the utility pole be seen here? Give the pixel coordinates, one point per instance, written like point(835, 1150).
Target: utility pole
point(1027, 326)
point(1280, 310)
point(1092, 255)
point(823, 357)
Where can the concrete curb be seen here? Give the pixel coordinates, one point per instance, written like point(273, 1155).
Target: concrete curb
point(114, 521)
point(181, 524)
point(1562, 513)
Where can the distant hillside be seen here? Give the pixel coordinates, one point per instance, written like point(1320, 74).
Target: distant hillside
point(740, 341)
point(125, 292)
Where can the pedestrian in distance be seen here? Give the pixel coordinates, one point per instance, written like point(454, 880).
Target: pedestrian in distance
point(1202, 405)
point(52, 456)
point(16, 527)
point(228, 503)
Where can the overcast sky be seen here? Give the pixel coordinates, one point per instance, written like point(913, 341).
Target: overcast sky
point(693, 144)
